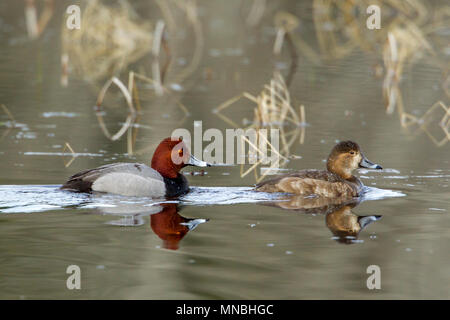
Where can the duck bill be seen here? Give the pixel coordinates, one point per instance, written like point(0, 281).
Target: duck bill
point(193, 161)
point(192, 224)
point(365, 163)
point(364, 221)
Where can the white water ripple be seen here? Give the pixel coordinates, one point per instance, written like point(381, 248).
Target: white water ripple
point(40, 198)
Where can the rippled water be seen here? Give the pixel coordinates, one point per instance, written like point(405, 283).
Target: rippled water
point(29, 198)
point(222, 240)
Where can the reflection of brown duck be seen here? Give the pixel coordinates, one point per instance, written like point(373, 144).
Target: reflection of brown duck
point(311, 205)
point(339, 218)
point(346, 225)
point(172, 227)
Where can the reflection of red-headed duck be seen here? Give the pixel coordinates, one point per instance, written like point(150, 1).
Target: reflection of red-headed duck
point(336, 182)
point(170, 226)
point(137, 179)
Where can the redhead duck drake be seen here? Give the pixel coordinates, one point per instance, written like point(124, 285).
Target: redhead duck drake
point(336, 182)
point(136, 179)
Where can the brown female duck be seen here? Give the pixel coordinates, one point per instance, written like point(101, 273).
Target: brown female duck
point(336, 182)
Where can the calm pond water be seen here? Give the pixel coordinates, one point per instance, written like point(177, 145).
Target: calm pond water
point(221, 241)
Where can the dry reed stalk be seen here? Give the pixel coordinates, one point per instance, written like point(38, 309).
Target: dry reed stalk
point(255, 148)
point(422, 123)
point(68, 147)
point(327, 26)
point(273, 105)
point(272, 109)
point(446, 85)
point(115, 38)
point(130, 93)
point(444, 123)
point(132, 112)
point(35, 26)
point(402, 46)
point(285, 23)
point(46, 15)
point(132, 87)
point(256, 12)
point(265, 143)
point(31, 19)
point(157, 40)
point(151, 81)
point(341, 25)
point(409, 34)
point(190, 8)
point(110, 40)
point(9, 127)
point(133, 130)
point(303, 124)
point(64, 70)
point(9, 114)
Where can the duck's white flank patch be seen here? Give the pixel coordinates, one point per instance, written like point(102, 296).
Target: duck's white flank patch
point(128, 184)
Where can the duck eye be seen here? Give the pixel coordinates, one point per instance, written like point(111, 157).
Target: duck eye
point(352, 152)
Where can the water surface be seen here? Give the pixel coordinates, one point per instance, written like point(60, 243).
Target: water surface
point(238, 245)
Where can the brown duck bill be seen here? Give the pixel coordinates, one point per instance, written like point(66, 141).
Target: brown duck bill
point(365, 163)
